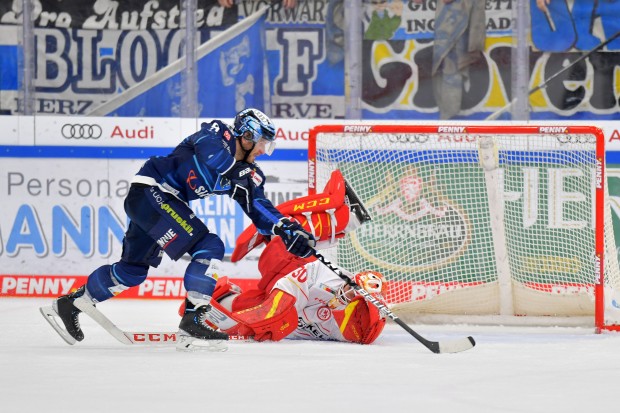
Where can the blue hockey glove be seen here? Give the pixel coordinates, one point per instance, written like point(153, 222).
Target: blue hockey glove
point(241, 186)
point(297, 240)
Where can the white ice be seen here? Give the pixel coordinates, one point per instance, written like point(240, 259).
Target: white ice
point(533, 370)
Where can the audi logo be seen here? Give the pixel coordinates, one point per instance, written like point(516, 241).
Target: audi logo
point(408, 138)
point(77, 131)
point(576, 138)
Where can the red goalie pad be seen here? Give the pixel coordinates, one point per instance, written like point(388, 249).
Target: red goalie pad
point(272, 319)
point(276, 262)
point(324, 215)
point(360, 322)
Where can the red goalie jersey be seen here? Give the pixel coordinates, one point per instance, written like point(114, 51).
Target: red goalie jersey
point(301, 298)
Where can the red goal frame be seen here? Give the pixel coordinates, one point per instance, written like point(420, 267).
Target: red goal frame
point(362, 128)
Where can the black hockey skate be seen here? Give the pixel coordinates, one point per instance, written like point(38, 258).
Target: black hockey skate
point(68, 313)
point(355, 203)
point(194, 334)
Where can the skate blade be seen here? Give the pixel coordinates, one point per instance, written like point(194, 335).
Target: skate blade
point(51, 317)
point(192, 344)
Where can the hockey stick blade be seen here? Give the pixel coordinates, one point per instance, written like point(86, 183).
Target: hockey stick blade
point(441, 347)
point(456, 346)
point(437, 347)
point(355, 203)
point(52, 318)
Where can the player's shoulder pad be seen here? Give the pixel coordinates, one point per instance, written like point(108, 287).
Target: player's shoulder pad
point(216, 129)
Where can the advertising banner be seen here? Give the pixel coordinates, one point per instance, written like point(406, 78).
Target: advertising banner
point(397, 82)
point(575, 24)
point(230, 78)
point(117, 15)
point(305, 57)
point(401, 67)
point(87, 55)
point(90, 52)
point(65, 217)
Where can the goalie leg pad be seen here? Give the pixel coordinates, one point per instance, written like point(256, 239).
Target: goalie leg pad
point(329, 225)
point(273, 319)
point(276, 262)
point(327, 216)
point(220, 317)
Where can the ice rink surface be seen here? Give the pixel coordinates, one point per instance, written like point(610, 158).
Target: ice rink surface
point(512, 369)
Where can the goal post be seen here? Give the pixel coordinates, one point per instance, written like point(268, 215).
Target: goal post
point(491, 223)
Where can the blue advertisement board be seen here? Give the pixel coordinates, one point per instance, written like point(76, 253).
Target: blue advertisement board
point(293, 63)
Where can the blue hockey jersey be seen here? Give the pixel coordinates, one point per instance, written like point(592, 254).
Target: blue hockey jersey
point(195, 168)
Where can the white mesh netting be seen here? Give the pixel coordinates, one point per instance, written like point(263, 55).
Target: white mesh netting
point(474, 224)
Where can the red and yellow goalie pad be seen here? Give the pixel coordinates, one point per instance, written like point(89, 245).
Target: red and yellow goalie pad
point(324, 215)
point(274, 318)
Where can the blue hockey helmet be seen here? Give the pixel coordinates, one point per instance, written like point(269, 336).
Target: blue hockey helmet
point(253, 125)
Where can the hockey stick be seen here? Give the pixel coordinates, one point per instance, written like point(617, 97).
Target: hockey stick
point(89, 309)
point(167, 337)
point(125, 337)
point(452, 346)
point(543, 85)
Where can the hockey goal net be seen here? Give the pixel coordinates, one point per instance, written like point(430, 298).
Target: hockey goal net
point(475, 223)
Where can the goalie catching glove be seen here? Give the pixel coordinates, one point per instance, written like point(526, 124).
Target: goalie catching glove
point(297, 240)
point(360, 322)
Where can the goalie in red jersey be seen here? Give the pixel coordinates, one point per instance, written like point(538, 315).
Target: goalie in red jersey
point(302, 298)
point(298, 299)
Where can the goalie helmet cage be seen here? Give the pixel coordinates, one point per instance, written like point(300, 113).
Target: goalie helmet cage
point(479, 224)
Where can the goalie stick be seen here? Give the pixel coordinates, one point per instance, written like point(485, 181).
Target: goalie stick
point(451, 346)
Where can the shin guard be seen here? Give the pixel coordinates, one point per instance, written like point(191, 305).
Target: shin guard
point(110, 280)
point(202, 273)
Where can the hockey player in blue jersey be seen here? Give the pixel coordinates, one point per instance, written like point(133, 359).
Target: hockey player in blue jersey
point(216, 160)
